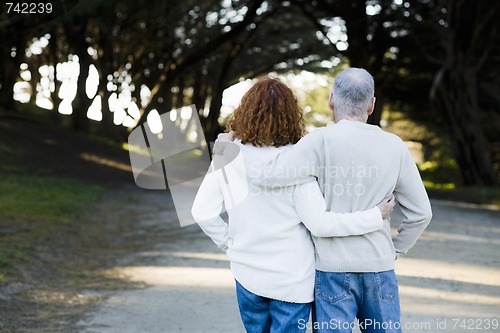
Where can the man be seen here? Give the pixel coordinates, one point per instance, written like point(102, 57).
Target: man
point(356, 164)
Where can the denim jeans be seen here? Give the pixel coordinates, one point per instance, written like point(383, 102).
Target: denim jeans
point(262, 314)
point(371, 297)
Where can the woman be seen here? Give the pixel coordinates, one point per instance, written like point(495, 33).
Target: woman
point(268, 238)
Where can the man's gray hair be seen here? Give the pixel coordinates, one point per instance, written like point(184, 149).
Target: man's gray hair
point(352, 93)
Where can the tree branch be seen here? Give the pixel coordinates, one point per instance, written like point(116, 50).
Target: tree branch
point(426, 54)
point(321, 28)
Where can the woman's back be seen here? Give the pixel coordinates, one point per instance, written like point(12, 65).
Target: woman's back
point(271, 252)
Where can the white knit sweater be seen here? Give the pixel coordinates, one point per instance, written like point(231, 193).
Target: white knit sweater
point(270, 250)
point(356, 165)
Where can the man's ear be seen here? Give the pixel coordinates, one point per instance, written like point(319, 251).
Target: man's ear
point(330, 102)
point(372, 106)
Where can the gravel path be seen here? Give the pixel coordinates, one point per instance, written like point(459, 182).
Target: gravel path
point(449, 282)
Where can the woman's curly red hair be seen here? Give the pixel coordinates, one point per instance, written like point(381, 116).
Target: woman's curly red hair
point(268, 115)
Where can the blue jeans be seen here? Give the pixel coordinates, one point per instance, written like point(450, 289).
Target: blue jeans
point(262, 314)
point(372, 298)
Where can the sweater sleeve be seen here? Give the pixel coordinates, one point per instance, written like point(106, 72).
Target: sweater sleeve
point(207, 207)
point(311, 208)
point(299, 164)
point(414, 203)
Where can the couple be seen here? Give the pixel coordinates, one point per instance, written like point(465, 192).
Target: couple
point(314, 226)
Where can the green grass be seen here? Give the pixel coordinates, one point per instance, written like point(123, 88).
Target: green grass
point(477, 195)
point(44, 198)
point(440, 175)
point(32, 208)
point(440, 180)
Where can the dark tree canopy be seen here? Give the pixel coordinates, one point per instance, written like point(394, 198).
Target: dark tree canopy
point(437, 57)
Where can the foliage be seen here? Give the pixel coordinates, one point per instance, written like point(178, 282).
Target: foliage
point(313, 91)
point(437, 166)
point(460, 40)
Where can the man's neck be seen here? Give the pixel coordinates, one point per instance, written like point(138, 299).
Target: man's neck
point(351, 118)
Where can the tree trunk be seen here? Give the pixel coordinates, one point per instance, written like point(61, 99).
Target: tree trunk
point(9, 71)
point(107, 126)
point(211, 123)
point(179, 97)
point(34, 65)
point(456, 89)
point(356, 24)
point(81, 102)
point(54, 49)
point(76, 33)
point(457, 94)
point(376, 116)
point(197, 98)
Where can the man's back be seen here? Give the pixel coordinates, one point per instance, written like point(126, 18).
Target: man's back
point(363, 164)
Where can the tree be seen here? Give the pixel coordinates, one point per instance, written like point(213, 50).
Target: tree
point(190, 51)
point(467, 29)
point(12, 43)
point(366, 33)
point(456, 39)
point(16, 33)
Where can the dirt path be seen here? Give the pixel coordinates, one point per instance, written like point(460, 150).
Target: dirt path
point(189, 287)
point(450, 282)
